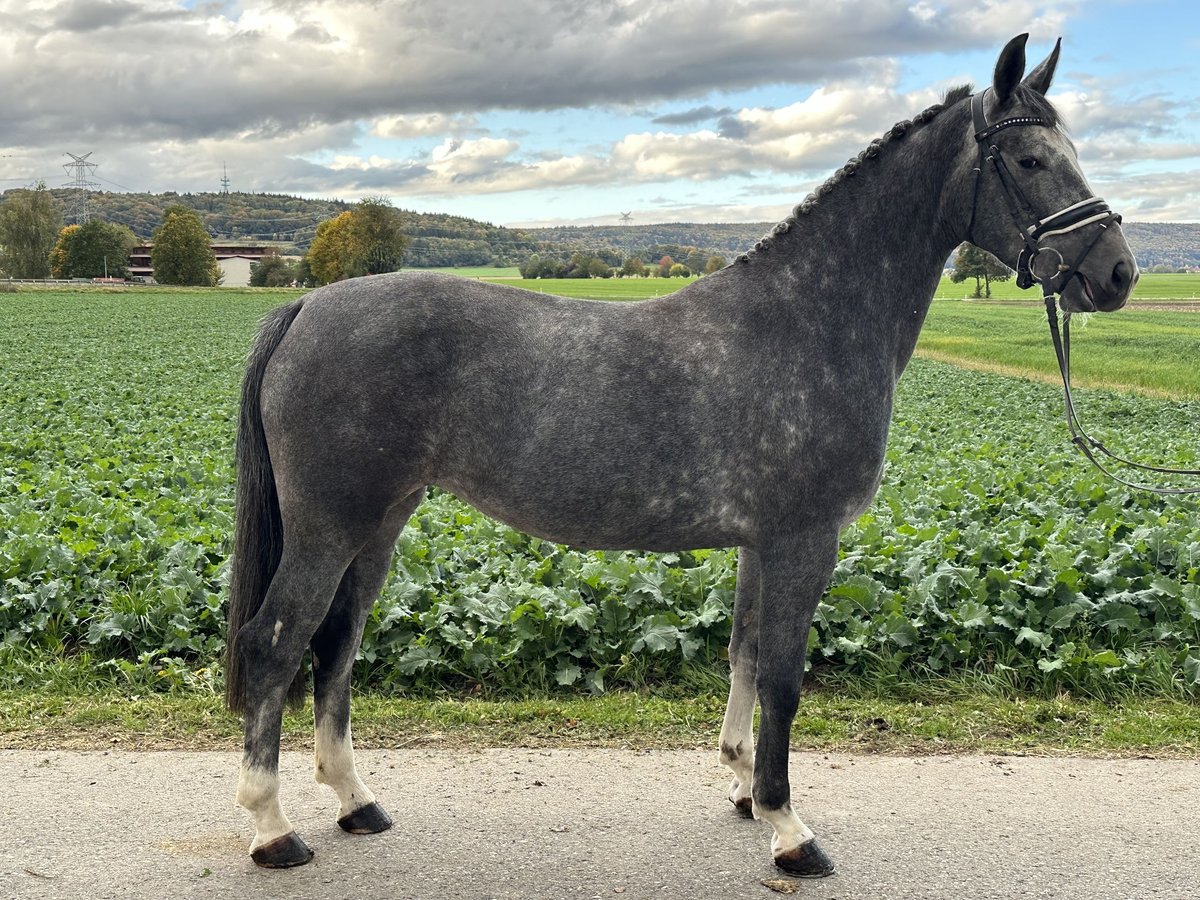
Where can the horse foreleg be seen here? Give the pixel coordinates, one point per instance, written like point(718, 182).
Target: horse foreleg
point(795, 573)
point(334, 647)
point(272, 647)
point(737, 737)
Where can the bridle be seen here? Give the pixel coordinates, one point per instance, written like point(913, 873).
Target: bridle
point(1033, 230)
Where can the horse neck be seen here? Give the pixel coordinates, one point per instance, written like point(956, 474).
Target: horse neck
point(872, 249)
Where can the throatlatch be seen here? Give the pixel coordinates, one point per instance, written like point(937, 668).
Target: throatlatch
point(1092, 211)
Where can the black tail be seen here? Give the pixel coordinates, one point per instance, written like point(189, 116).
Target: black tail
point(258, 534)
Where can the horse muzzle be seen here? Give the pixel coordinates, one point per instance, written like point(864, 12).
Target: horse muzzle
point(1101, 284)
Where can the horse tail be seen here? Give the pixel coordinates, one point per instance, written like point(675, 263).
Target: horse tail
point(258, 529)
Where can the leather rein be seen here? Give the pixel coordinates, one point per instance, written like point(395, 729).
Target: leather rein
point(1092, 211)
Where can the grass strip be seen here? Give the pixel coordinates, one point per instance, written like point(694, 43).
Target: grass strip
point(959, 721)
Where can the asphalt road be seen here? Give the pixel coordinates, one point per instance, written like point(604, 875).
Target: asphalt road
point(606, 824)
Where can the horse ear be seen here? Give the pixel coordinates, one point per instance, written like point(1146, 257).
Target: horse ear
point(1009, 69)
point(1039, 79)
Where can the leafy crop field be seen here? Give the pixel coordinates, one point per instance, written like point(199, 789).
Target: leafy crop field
point(992, 548)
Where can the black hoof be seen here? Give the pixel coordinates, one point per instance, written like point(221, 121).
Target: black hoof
point(282, 853)
point(744, 807)
point(806, 861)
point(369, 819)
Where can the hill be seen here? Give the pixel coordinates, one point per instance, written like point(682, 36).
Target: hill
point(445, 240)
point(290, 222)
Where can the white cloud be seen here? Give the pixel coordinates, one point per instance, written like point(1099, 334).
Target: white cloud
point(154, 69)
point(329, 96)
point(422, 125)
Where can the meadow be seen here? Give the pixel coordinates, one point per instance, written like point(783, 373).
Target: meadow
point(992, 551)
point(1151, 286)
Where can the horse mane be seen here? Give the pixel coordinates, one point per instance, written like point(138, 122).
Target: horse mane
point(895, 133)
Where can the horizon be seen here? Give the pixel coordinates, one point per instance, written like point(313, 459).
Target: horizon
point(542, 116)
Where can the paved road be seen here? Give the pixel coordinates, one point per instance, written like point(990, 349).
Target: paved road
point(605, 824)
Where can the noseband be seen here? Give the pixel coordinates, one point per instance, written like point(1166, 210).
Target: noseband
point(1033, 230)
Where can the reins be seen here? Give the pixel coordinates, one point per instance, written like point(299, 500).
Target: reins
point(1079, 437)
point(1092, 211)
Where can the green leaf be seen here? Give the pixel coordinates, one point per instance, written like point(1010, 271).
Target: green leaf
point(1117, 616)
point(567, 674)
point(1028, 636)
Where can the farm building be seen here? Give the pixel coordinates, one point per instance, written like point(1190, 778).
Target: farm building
point(233, 258)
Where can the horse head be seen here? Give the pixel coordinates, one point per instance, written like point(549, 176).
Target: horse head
point(1032, 205)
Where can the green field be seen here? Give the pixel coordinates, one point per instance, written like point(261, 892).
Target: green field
point(602, 288)
point(1151, 286)
point(476, 271)
point(1156, 287)
point(1151, 352)
point(992, 551)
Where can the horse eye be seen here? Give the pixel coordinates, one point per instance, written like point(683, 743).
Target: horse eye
point(1029, 162)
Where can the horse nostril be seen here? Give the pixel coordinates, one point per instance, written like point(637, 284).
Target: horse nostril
point(1120, 274)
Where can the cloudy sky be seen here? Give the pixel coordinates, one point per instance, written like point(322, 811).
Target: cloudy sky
point(526, 112)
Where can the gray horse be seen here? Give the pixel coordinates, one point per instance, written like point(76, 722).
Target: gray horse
point(749, 409)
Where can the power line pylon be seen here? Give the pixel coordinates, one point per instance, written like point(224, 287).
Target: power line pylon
point(80, 210)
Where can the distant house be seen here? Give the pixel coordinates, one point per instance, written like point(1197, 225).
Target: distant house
point(235, 270)
point(233, 258)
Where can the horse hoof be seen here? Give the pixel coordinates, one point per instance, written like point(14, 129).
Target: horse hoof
point(369, 819)
point(282, 853)
point(806, 861)
point(744, 807)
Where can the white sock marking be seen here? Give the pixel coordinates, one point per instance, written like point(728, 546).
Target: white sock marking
point(790, 832)
point(737, 735)
point(258, 791)
point(334, 765)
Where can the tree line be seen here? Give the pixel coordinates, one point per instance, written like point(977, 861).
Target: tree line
point(34, 243)
point(366, 239)
point(607, 264)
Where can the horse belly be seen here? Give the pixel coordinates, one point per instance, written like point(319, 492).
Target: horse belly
point(601, 516)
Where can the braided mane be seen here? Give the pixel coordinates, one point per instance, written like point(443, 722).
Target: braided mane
point(895, 133)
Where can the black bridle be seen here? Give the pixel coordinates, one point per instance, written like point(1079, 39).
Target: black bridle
point(1033, 230)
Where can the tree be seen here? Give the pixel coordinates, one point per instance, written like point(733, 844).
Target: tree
point(329, 253)
point(363, 241)
point(60, 256)
point(664, 267)
point(93, 250)
point(714, 264)
point(598, 268)
point(634, 268)
point(273, 271)
point(181, 250)
point(532, 267)
point(696, 261)
point(974, 262)
point(30, 222)
point(679, 270)
point(377, 243)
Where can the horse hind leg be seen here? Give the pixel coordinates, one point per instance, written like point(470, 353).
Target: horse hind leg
point(271, 647)
point(737, 737)
point(334, 647)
